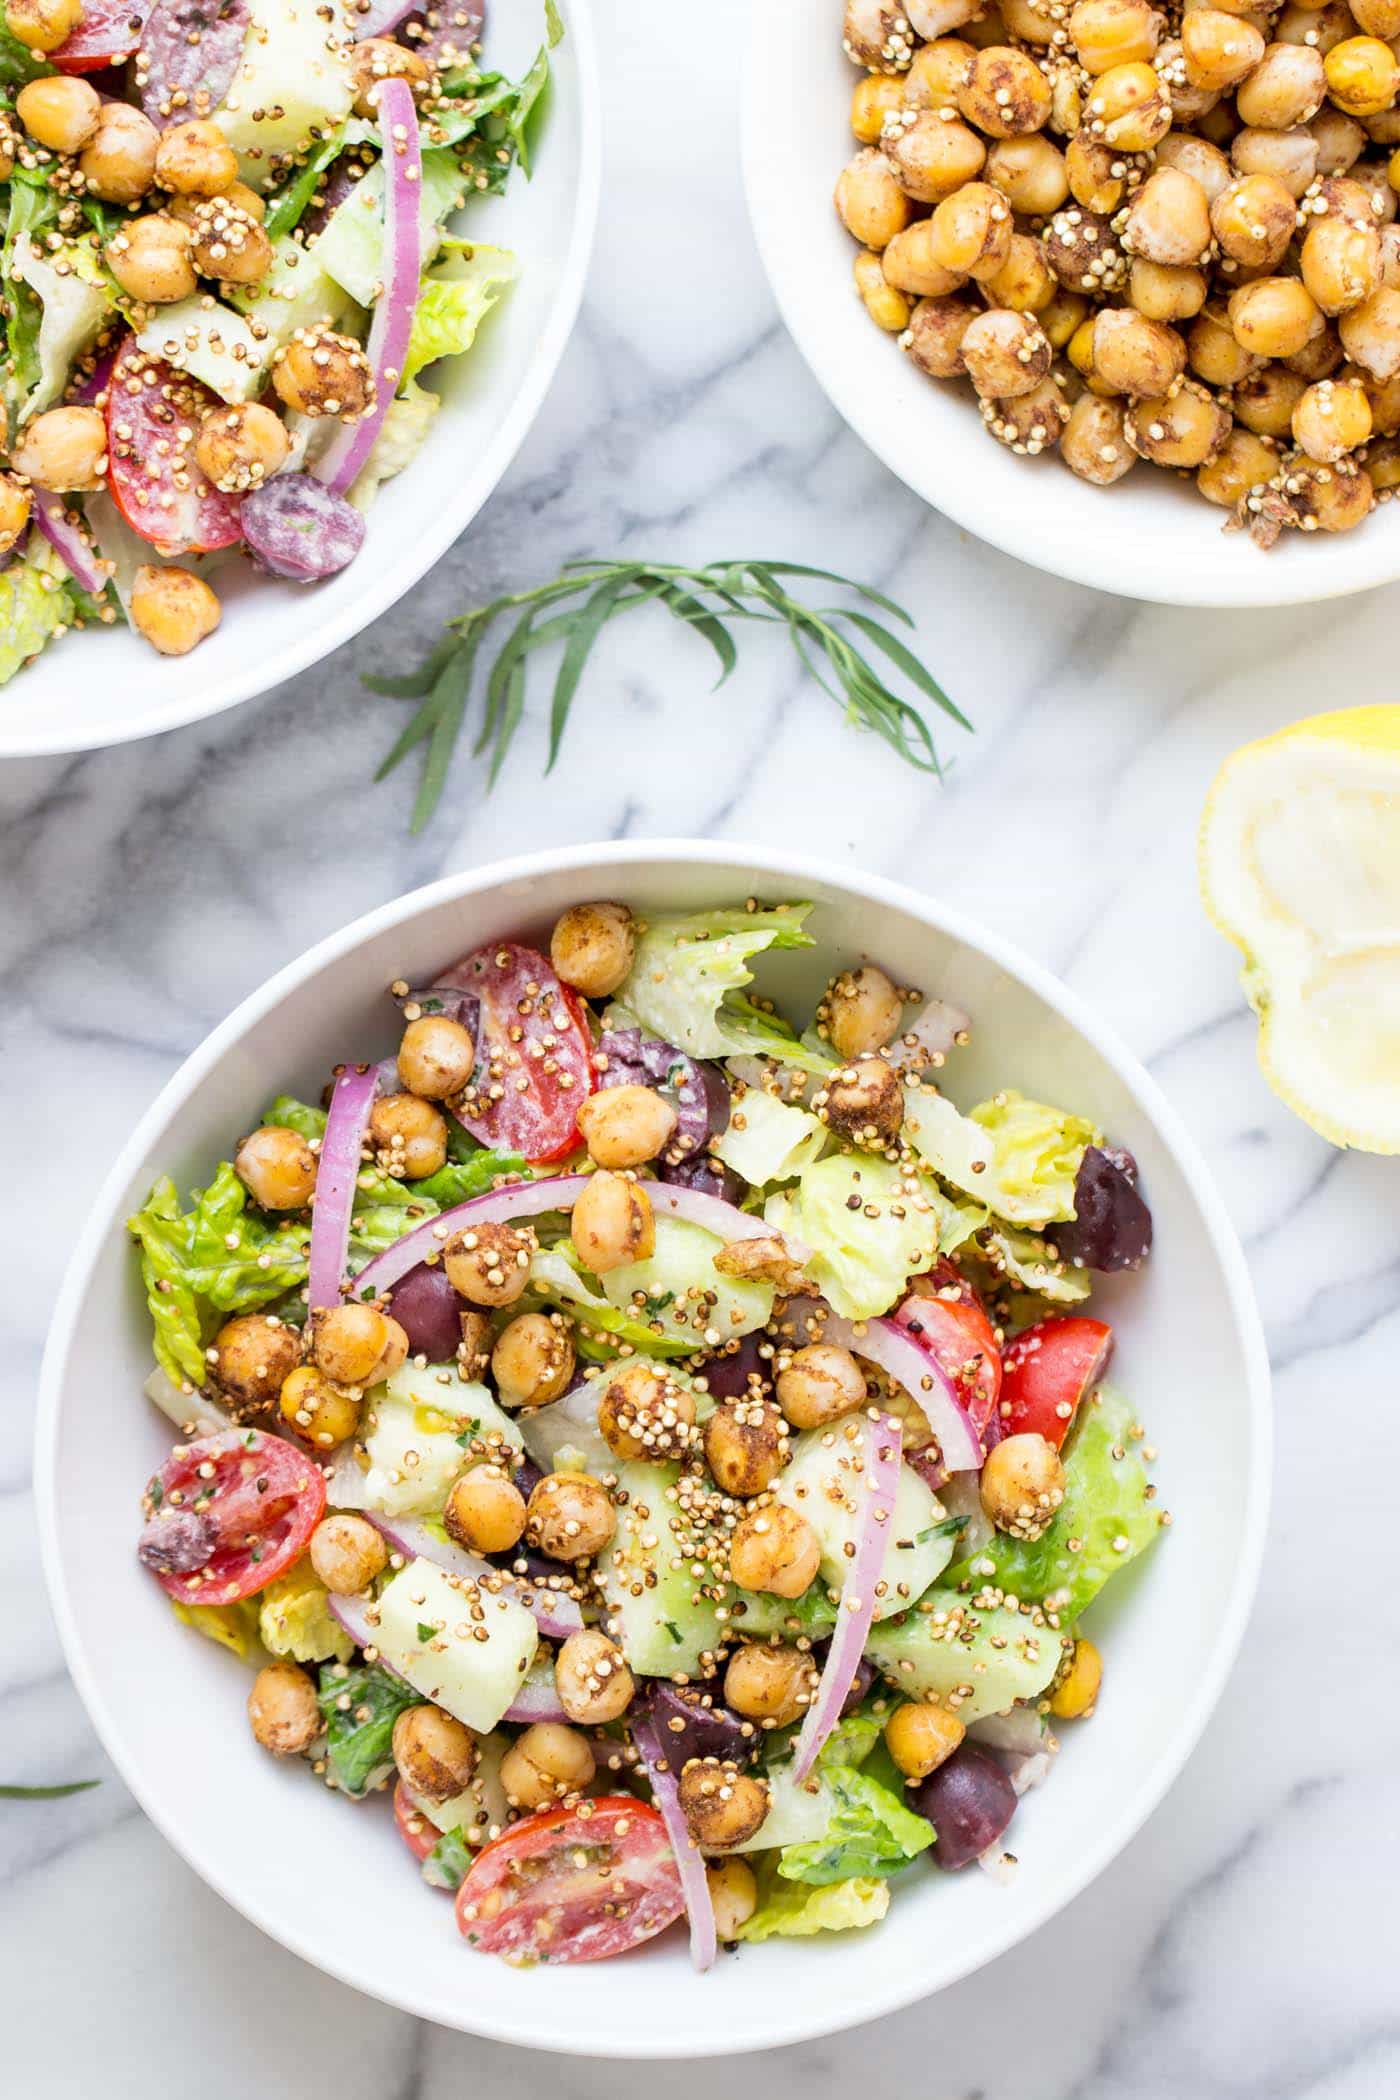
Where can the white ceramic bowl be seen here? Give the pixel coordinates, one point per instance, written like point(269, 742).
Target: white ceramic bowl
point(304, 1864)
point(94, 690)
point(1148, 537)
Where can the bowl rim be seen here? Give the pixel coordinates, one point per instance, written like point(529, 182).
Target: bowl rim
point(387, 581)
point(818, 2018)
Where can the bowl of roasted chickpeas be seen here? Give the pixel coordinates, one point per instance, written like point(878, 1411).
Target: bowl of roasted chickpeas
point(327, 1876)
point(1114, 285)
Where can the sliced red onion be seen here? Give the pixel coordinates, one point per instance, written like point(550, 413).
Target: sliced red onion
point(353, 1614)
point(856, 1612)
point(537, 1698)
point(555, 1615)
point(402, 268)
point(695, 1886)
point(884, 1343)
point(346, 1120)
point(928, 1039)
point(71, 542)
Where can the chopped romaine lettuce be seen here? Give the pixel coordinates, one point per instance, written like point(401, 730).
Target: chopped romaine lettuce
point(350, 250)
point(1025, 1258)
point(287, 1113)
point(797, 1910)
point(18, 64)
point(679, 1294)
point(1017, 1157)
point(401, 438)
point(768, 1140)
point(213, 342)
point(293, 84)
point(861, 1261)
point(360, 1708)
point(1108, 1517)
point(688, 976)
point(295, 1621)
point(236, 1259)
point(163, 1236)
point(454, 299)
point(34, 607)
point(604, 1331)
point(75, 298)
point(233, 1626)
point(869, 1832)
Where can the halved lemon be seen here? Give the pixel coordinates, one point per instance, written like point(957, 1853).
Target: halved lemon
point(1300, 867)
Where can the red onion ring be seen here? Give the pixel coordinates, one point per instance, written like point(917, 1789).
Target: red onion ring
point(536, 1700)
point(555, 1615)
point(923, 1378)
point(68, 540)
point(346, 1120)
point(695, 1886)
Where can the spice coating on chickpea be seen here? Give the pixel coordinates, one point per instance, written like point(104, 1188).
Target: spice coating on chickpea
point(282, 1710)
point(592, 947)
point(173, 608)
point(920, 1735)
point(775, 1550)
point(533, 1360)
point(723, 1807)
point(16, 506)
point(64, 450)
point(569, 1516)
point(1022, 1485)
point(356, 1344)
point(277, 1167)
point(818, 1384)
point(545, 1765)
point(321, 1413)
point(592, 1679)
point(409, 1136)
point(613, 1223)
point(489, 1264)
point(770, 1681)
point(485, 1511)
point(152, 258)
point(626, 1126)
point(865, 1101)
point(645, 1413)
point(118, 162)
point(249, 1360)
point(746, 1446)
point(436, 1754)
point(320, 373)
point(194, 159)
point(347, 1553)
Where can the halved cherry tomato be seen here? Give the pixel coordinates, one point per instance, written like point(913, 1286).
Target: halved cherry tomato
point(534, 1054)
point(413, 1827)
point(261, 1498)
point(153, 418)
point(108, 35)
point(573, 1884)
point(1047, 1371)
point(958, 1335)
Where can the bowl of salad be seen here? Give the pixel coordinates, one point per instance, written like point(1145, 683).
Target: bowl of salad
point(286, 286)
point(630, 1407)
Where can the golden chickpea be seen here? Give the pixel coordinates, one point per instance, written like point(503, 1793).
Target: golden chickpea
point(1165, 292)
point(118, 162)
point(1189, 104)
point(869, 200)
point(545, 1765)
point(485, 1511)
point(1362, 75)
point(1253, 220)
point(1290, 156)
point(355, 1345)
point(722, 1806)
point(921, 1735)
point(229, 242)
point(625, 1126)
point(1130, 107)
point(1264, 401)
point(320, 373)
point(1030, 173)
point(436, 1055)
point(1184, 430)
point(59, 111)
point(379, 58)
point(1082, 249)
point(1244, 462)
point(195, 159)
point(1317, 27)
point(189, 210)
point(489, 1264)
point(1274, 316)
point(645, 1413)
point(592, 1679)
point(875, 33)
point(592, 947)
point(1212, 352)
point(746, 1446)
point(42, 25)
point(1370, 333)
point(282, 1710)
point(1107, 33)
point(569, 1516)
point(887, 307)
point(1339, 139)
point(1287, 87)
point(238, 447)
point(1383, 465)
point(15, 507)
point(1074, 1697)
point(1022, 1485)
point(277, 1167)
point(153, 259)
point(936, 71)
point(1027, 22)
point(1332, 419)
point(971, 233)
point(908, 265)
point(613, 1223)
point(818, 1383)
point(865, 1101)
point(775, 1550)
point(1218, 49)
point(878, 96)
point(1023, 285)
point(533, 1360)
point(1204, 163)
point(436, 1754)
point(252, 1355)
point(321, 1413)
point(733, 1896)
point(408, 1136)
point(1378, 18)
point(1372, 177)
point(1384, 397)
point(1031, 423)
point(1332, 499)
point(1320, 358)
point(934, 336)
point(1065, 313)
point(770, 1681)
point(1098, 176)
point(1004, 94)
point(1133, 355)
point(65, 450)
point(1342, 197)
point(1169, 220)
point(347, 1553)
point(1093, 445)
point(933, 156)
point(1006, 354)
point(1341, 263)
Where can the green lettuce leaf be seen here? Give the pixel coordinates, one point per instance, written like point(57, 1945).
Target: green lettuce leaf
point(1025, 1258)
point(75, 297)
point(446, 1865)
point(360, 1709)
point(454, 299)
point(770, 1140)
point(797, 1910)
point(294, 1619)
point(18, 64)
point(162, 1234)
point(869, 1834)
point(688, 977)
point(862, 1263)
point(461, 1179)
point(402, 436)
point(233, 1626)
point(1107, 1512)
point(34, 607)
point(287, 1113)
point(667, 1291)
point(350, 250)
point(236, 1260)
point(604, 1331)
point(1018, 1158)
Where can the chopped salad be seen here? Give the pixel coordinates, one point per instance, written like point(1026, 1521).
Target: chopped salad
point(230, 255)
point(667, 1449)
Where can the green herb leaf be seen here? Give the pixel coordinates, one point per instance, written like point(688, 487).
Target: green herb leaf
point(47, 1793)
point(948, 1529)
point(425, 1633)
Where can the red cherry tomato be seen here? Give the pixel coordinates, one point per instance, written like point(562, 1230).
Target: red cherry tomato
point(1047, 1371)
point(263, 1500)
point(153, 417)
point(108, 35)
point(572, 1884)
point(958, 1335)
point(534, 1054)
point(413, 1827)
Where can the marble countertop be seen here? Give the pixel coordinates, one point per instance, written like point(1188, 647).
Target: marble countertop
point(1242, 1948)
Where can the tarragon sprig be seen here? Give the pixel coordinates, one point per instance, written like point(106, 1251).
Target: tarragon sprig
point(572, 612)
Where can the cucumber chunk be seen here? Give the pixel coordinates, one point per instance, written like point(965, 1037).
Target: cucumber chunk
point(976, 1661)
point(660, 1614)
point(823, 1482)
point(473, 1677)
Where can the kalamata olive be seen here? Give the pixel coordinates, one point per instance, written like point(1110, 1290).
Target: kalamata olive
point(969, 1800)
point(527, 1476)
point(177, 1544)
point(692, 1721)
point(1112, 1226)
point(699, 1093)
point(428, 1310)
point(705, 1173)
point(730, 1375)
point(860, 1685)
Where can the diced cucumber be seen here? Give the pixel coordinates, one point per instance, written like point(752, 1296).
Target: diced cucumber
point(211, 342)
point(466, 1649)
point(798, 1814)
point(946, 1647)
point(685, 1296)
point(293, 83)
point(480, 1808)
point(420, 1429)
point(823, 1482)
point(660, 1614)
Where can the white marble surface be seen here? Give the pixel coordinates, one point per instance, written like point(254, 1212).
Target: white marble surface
point(1243, 1948)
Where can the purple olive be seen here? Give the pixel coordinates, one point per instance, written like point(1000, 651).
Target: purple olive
point(730, 1374)
point(429, 1312)
point(969, 1800)
point(527, 1477)
point(860, 1685)
point(177, 1544)
point(705, 1173)
point(1112, 1226)
point(692, 1722)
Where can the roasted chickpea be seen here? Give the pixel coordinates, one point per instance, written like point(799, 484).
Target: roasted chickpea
point(592, 1679)
point(1164, 292)
point(1204, 163)
point(1287, 87)
point(485, 1511)
point(152, 259)
point(1093, 444)
point(321, 1413)
point(887, 307)
point(722, 1806)
point(921, 1735)
point(1378, 18)
point(1027, 22)
point(1004, 93)
point(733, 1896)
point(1130, 107)
point(870, 201)
point(1331, 499)
point(59, 111)
point(878, 96)
point(1390, 255)
point(569, 1516)
point(1212, 352)
point(1031, 423)
point(320, 373)
point(1098, 176)
point(1274, 316)
point(1183, 430)
point(1218, 49)
point(64, 449)
point(1317, 27)
point(42, 25)
point(1372, 176)
point(592, 947)
point(1253, 220)
point(238, 447)
point(1383, 465)
point(1074, 1697)
point(1082, 249)
point(408, 1135)
point(378, 58)
point(865, 1101)
point(908, 265)
point(1006, 353)
point(1384, 397)
point(195, 159)
point(347, 1553)
point(746, 1446)
point(645, 1413)
point(118, 161)
point(1023, 285)
point(818, 1383)
point(1169, 220)
point(876, 33)
point(1370, 333)
point(1264, 401)
point(1189, 104)
point(435, 1753)
point(1133, 355)
point(934, 336)
point(533, 1360)
point(1339, 139)
point(436, 1056)
point(15, 507)
point(1107, 33)
point(1341, 262)
point(613, 1223)
point(769, 1681)
point(229, 242)
point(1022, 1485)
point(860, 1011)
point(277, 1167)
point(775, 1550)
point(625, 1126)
point(1289, 156)
point(1362, 75)
point(1030, 173)
point(1066, 312)
point(489, 1264)
point(251, 1357)
point(356, 1345)
point(546, 1764)
point(933, 156)
point(1244, 462)
point(1319, 358)
point(1341, 197)
point(970, 234)
point(1332, 419)
point(282, 1708)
